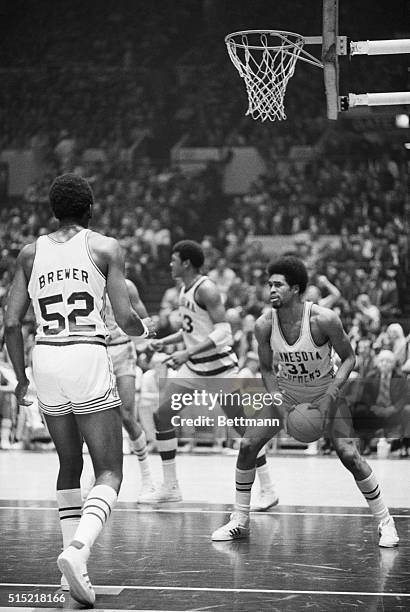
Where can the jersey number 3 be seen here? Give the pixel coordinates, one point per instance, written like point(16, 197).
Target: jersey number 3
point(59, 319)
point(187, 324)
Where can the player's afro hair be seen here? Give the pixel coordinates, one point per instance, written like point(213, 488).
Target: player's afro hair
point(293, 269)
point(70, 196)
point(191, 250)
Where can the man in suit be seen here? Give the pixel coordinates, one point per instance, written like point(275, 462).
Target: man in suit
point(383, 402)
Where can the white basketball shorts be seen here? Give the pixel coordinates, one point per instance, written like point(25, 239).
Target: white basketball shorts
point(124, 358)
point(75, 378)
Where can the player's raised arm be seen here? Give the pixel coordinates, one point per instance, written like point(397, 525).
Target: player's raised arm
point(17, 305)
point(334, 294)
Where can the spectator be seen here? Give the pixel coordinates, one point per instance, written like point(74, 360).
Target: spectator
point(383, 406)
point(388, 299)
point(223, 277)
point(370, 312)
point(314, 294)
point(170, 299)
point(395, 335)
point(64, 151)
point(365, 357)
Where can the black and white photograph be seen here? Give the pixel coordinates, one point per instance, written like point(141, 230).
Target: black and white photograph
point(205, 305)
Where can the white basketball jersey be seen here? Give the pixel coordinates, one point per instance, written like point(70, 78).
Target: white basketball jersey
point(303, 362)
point(196, 327)
point(67, 290)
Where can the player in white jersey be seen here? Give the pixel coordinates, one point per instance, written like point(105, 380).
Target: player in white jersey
point(207, 362)
point(299, 337)
point(123, 355)
point(66, 274)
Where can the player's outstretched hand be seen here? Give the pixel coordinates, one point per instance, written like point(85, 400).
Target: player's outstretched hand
point(20, 393)
point(156, 345)
point(151, 326)
point(177, 358)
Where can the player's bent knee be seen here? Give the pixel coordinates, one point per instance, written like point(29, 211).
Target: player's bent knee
point(111, 478)
point(348, 454)
point(249, 448)
point(72, 464)
point(162, 419)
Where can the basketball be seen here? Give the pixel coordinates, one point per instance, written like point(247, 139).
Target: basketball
point(305, 423)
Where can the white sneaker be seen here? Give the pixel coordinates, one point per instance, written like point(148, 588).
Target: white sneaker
point(235, 529)
point(312, 449)
point(266, 499)
point(388, 534)
point(146, 493)
point(17, 446)
point(64, 583)
point(165, 493)
point(72, 564)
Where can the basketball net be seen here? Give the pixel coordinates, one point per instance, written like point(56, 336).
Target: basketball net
point(266, 61)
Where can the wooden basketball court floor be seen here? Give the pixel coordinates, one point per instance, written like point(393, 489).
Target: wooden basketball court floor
point(317, 550)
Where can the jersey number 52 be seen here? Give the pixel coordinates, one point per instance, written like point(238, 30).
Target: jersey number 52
point(59, 320)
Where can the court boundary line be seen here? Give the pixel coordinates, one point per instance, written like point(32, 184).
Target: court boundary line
point(205, 511)
point(214, 590)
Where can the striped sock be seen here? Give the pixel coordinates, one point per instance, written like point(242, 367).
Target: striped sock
point(244, 481)
point(69, 510)
point(167, 448)
point(97, 508)
point(371, 491)
point(262, 470)
point(139, 446)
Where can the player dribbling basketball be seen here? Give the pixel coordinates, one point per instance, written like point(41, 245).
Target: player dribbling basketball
point(299, 336)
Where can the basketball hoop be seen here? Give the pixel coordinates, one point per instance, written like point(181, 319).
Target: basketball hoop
point(266, 60)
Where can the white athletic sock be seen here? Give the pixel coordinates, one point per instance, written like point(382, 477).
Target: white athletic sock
point(5, 432)
point(262, 470)
point(139, 446)
point(371, 491)
point(169, 468)
point(69, 510)
point(97, 508)
point(244, 481)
